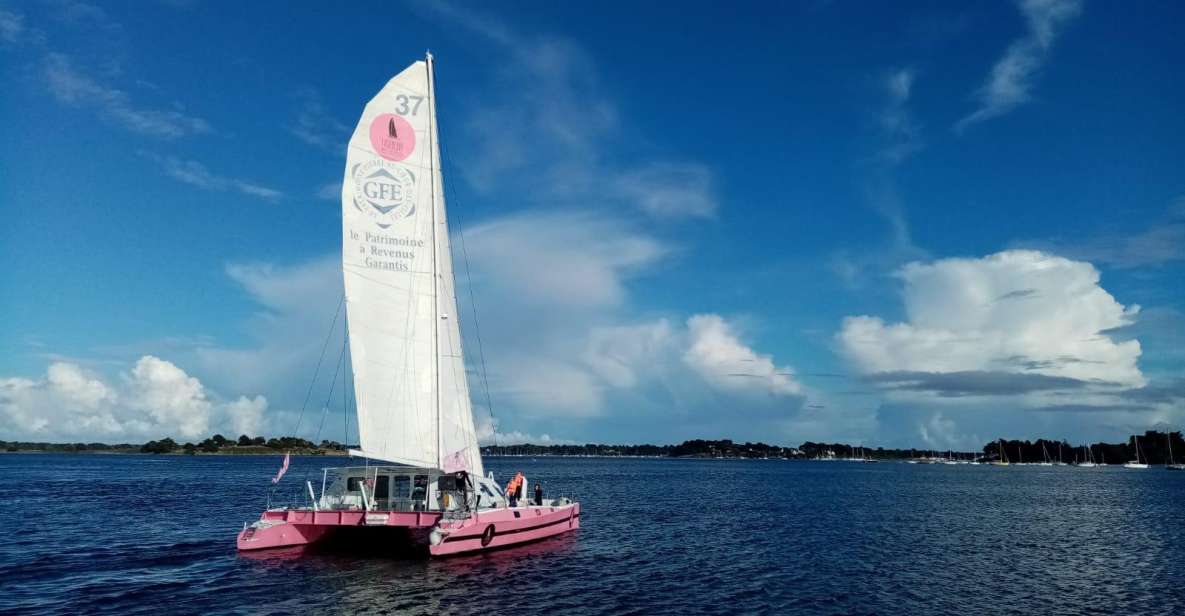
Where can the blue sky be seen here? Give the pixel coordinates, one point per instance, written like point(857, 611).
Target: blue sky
point(914, 224)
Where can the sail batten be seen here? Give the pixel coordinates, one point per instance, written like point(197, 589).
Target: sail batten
point(411, 389)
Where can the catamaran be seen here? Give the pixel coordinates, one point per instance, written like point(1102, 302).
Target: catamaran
point(422, 469)
point(1136, 463)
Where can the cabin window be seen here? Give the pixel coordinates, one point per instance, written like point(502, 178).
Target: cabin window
point(353, 484)
point(382, 486)
point(420, 489)
point(402, 487)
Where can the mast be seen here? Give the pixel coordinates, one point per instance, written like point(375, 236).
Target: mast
point(435, 251)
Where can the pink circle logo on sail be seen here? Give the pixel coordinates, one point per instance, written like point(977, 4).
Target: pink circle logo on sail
point(392, 137)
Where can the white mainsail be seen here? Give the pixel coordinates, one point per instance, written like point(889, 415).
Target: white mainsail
point(405, 342)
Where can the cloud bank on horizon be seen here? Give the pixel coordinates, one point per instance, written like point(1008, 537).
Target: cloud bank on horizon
point(645, 268)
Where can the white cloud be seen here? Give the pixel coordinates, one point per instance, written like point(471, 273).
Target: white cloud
point(196, 174)
point(247, 415)
point(1034, 317)
point(71, 86)
point(285, 336)
point(1161, 243)
point(12, 26)
point(1012, 76)
point(565, 129)
point(576, 259)
point(170, 396)
point(900, 132)
point(617, 354)
point(315, 126)
point(331, 191)
point(487, 434)
point(154, 399)
point(670, 190)
point(722, 360)
point(899, 137)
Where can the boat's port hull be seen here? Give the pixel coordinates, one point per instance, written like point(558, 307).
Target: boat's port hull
point(486, 530)
point(291, 527)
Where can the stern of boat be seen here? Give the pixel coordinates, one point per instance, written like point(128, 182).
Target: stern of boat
point(267, 533)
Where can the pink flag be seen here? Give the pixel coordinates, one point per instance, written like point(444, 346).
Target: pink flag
point(456, 461)
point(283, 469)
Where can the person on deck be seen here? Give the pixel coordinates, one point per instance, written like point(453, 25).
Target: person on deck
point(539, 494)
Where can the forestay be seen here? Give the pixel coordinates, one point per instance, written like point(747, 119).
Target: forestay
point(405, 344)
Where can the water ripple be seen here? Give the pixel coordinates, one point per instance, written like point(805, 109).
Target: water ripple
point(140, 534)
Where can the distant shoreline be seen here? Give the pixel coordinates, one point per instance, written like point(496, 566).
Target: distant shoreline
point(137, 452)
point(1151, 447)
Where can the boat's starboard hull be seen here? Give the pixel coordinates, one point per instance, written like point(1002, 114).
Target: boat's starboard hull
point(497, 528)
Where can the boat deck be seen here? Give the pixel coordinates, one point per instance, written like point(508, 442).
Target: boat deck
point(354, 517)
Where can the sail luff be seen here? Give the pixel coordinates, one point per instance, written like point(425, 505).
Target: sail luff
point(432, 161)
point(457, 438)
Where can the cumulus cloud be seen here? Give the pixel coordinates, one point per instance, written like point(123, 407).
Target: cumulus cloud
point(71, 86)
point(155, 398)
point(246, 415)
point(564, 347)
point(488, 434)
point(1009, 345)
point(720, 358)
point(1035, 318)
point(1011, 79)
point(572, 258)
point(296, 304)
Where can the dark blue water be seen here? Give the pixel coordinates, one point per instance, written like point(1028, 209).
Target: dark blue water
point(141, 534)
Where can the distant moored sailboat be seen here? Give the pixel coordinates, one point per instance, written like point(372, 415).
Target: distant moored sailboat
point(1137, 463)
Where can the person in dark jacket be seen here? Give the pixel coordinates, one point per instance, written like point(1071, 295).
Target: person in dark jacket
point(539, 494)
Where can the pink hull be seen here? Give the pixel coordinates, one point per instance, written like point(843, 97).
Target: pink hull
point(291, 527)
point(497, 528)
point(487, 530)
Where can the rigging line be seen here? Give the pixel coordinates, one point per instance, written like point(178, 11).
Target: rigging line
point(485, 383)
point(317, 371)
point(341, 357)
point(346, 396)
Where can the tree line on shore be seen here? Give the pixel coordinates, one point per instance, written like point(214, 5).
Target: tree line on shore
point(215, 444)
point(1154, 448)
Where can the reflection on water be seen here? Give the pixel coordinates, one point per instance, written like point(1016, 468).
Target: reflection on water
point(127, 534)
